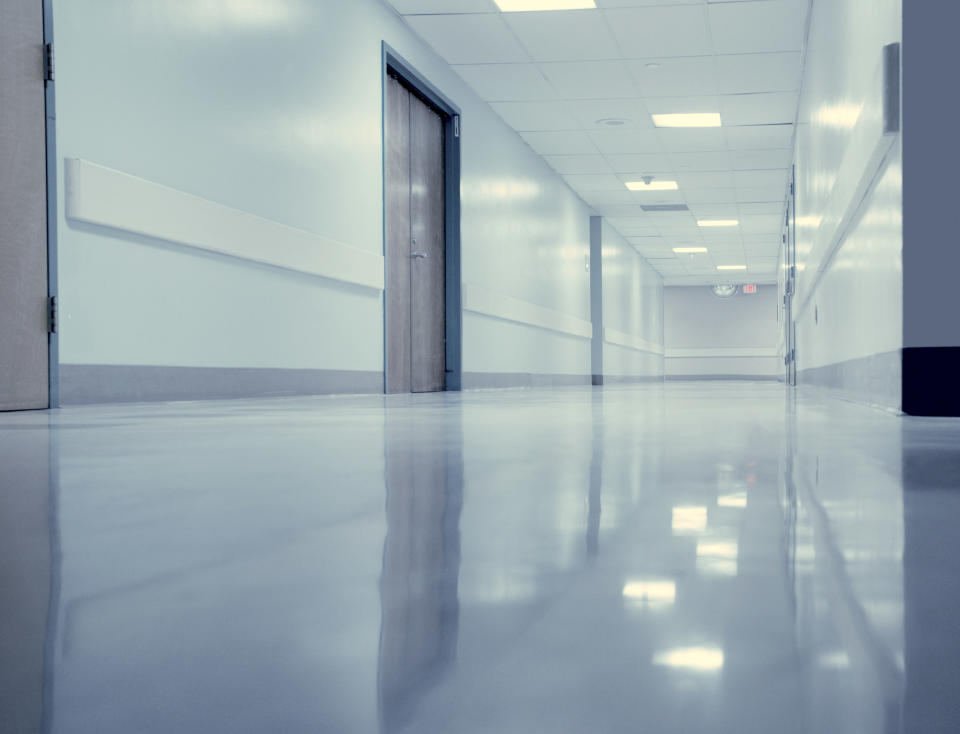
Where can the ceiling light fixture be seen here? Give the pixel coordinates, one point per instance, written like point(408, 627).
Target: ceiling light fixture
point(612, 122)
point(731, 267)
point(689, 119)
point(718, 222)
point(524, 6)
point(691, 250)
point(653, 185)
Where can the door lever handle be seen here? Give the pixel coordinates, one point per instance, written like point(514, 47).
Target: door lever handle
point(420, 255)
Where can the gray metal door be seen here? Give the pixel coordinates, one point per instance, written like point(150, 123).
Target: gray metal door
point(416, 244)
point(24, 378)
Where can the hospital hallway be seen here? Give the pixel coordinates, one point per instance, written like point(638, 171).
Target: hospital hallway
point(681, 557)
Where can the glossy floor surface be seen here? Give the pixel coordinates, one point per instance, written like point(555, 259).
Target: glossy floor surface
point(700, 557)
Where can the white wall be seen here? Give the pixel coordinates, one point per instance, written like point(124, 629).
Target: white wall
point(273, 107)
point(707, 336)
point(632, 311)
point(849, 184)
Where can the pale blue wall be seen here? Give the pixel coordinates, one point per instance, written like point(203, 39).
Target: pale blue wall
point(633, 305)
point(274, 108)
point(850, 317)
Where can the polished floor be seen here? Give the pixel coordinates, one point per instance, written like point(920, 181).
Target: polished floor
point(699, 557)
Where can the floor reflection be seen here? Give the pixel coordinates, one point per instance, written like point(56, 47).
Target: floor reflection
point(668, 559)
point(421, 561)
point(846, 544)
point(27, 560)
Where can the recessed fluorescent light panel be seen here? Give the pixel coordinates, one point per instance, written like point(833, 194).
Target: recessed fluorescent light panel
point(653, 186)
point(690, 250)
point(525, 6)
point(731, 267)
point(690, 119)
point(718, 222)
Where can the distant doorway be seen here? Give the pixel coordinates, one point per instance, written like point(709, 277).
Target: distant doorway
point(422, 297)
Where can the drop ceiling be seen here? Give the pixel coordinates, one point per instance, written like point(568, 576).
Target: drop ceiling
point(552, 76)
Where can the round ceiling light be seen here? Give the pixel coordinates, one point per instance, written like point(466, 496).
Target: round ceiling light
point(612, 122)
point(725, 290)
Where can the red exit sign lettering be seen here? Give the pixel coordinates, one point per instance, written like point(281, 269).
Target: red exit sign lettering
point(750, 288)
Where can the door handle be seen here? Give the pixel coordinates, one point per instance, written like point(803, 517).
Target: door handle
point(419, 255)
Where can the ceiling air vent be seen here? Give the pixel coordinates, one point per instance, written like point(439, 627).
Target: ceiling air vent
point(665, 208)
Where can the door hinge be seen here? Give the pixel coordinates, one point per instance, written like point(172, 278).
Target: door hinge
point(52, 315)
point(48, 62)
point(456, 126)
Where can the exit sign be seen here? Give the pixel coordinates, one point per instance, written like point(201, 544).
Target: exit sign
point(750, 288)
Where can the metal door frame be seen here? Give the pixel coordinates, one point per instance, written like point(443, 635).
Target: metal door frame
point(790, 282)
point(53, 279)
point(393, 62)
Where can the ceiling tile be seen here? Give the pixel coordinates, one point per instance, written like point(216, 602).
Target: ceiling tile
point(658, 198)
point(758, 137)
point(765, 240)
point(564, 164)
point(618, 142)
point(663, 30)
point(589, 111)
point(469, 38)
point(766, 207)
point(760, 224)
point(507, 82)
point(712, 211)
point(640, 164)
point(723, 244)
point(567, 142)
point(642, 3)
point(535, 116)
point(674, 140)
point(673, 77)
point(744, 73)
point(742, 160)
point(590, 79)
point(766, 194)
point(705, 179)
point(574, 35)
point(594, 182)
point(759, 109)
point(672, 105)
point(711, 161)
point(443, 6)
point(711, 196)
point(761, 179)
point(755, 27)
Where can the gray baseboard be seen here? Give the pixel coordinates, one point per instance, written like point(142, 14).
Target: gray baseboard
point(97, 383)
point(722, 378)
point(631, 379)
point(480, 380)
point(874, 380)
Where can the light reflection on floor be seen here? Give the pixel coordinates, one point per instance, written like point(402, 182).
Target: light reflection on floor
point(704, 557)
